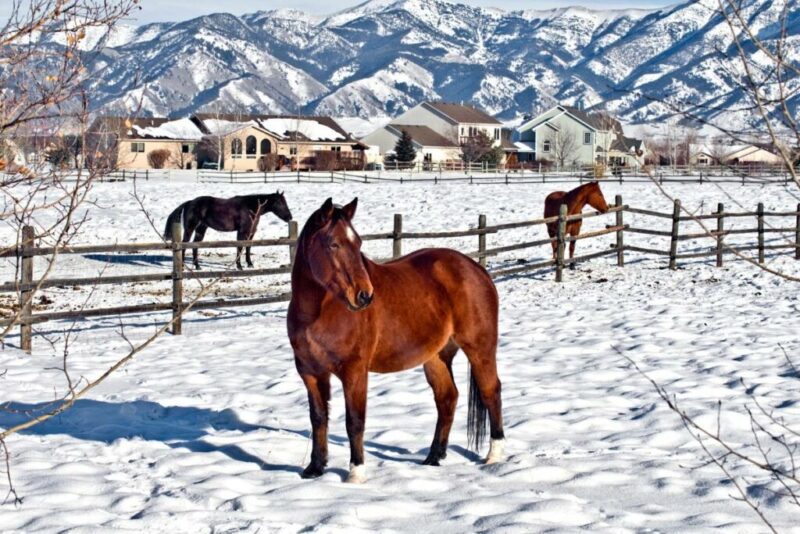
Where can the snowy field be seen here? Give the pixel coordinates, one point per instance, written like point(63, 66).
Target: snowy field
point(208, 432)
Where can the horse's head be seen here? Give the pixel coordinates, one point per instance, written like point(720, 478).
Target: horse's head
point(595, 198)
point(333, 251)
point(280, 207)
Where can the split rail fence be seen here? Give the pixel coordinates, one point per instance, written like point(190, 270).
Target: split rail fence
point(26, 285)
point(663, 175)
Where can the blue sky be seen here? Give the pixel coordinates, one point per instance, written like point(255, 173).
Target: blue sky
point(167, 10)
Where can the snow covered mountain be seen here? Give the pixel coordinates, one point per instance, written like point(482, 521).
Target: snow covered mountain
point(383, 56)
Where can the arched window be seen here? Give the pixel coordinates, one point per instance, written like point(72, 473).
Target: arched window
point(250, 146)
point(266, 146)
point(236, 148)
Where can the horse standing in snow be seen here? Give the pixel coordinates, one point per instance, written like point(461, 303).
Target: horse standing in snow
point(349, 316)
point(240, 214)
point(575, 200)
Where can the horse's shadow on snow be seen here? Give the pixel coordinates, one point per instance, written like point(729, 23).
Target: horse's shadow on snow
point(176, 426)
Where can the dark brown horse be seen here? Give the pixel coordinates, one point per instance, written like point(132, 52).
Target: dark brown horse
point(575, 200)
point(240, 214)
point(349, 316)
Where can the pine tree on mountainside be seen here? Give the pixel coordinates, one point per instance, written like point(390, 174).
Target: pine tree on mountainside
point(404, 148)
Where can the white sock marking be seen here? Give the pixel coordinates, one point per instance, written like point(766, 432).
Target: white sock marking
point(358, 474)
point(496, 451)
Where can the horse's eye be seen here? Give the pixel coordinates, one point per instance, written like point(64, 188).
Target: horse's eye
point(334, 246)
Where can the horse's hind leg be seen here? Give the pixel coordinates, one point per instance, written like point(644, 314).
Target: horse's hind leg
point(199, 235)
point(574, 231)
point(481, 352)
point(439, 373)
point(240, 236)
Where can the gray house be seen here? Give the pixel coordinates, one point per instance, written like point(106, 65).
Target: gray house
point(568, 136)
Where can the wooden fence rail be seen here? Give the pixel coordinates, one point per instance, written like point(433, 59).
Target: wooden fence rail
point(26, 286)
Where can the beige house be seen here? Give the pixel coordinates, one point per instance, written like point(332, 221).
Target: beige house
point(569, 136)
point(239, 143)
point(251, 142)
point(130, 143)
point(440, 129)
point(722, 154)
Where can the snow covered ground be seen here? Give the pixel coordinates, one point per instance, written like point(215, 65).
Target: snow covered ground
point(207, 432)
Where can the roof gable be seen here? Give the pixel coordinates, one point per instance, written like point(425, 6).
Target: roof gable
point(461, 113)
point(422, 135)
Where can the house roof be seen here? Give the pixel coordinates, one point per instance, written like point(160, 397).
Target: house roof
point(625, 144)
point(148, 128)
point(422, 135)
point(294, 128)
point(459, 113)
point(599, 121)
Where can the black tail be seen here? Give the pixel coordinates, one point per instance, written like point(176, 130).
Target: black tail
point(175, 216)
point(476, 415)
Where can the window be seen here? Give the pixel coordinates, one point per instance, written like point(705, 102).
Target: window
point(336, 148)
point(187, 148)
point(497, 134)
point(250, 146)
point(236, 148)
point(266, 146)
point(587, 138)
point(546, 146)
point(293, 151)
point(462, 131)
point(137, 147)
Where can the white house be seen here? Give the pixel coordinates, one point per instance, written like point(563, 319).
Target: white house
point(431, 146)
point(438, 129)
point(569, 136)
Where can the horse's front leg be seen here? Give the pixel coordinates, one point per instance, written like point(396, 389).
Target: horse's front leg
point(247, 256)
point(354, 382)
point(319, 393)
point(240, 236)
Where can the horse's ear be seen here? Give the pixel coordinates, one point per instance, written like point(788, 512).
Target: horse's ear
point(350, 209)
point(326, 211)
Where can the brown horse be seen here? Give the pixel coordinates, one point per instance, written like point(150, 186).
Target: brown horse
point(349, 316)
point(575, 200)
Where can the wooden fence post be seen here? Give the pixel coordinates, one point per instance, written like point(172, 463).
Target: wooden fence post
point(720, 232)
point(760, 215)
point(397, 236)
point(26, 295)
point(797, 235)
point(481, 240)
point(620, 232)
point(293, 246)
point(673, 243)
point(562, 231)
point(177, 279)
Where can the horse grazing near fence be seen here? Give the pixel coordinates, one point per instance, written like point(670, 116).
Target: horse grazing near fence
point(575, 200)
point(349, 316)
point(240, 214)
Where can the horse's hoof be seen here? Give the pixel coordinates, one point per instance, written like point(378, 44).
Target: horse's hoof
point(358, 474)
point(431, 460)
point(239, 268)
point(496, 451)
point(250, 265)
point(571, 266)
point(312, 471)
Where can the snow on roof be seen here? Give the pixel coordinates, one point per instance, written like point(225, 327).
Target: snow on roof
point(177, 129)
point(223, 127)
point(522, 146)
point(308, 128)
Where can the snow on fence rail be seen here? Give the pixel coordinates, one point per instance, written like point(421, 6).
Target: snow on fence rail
point(26, 286)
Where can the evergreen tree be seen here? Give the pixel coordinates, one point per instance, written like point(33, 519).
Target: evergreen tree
point(404, 148)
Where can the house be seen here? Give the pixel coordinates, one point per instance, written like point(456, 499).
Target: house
point(442, 128)
point(231, 142)
point(431, 146)
point(722, 154)
point(128, 143)
point(568, 136)
point(247, 142)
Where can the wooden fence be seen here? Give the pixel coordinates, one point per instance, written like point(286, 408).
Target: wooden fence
point(663, 175)
point(26, 286)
